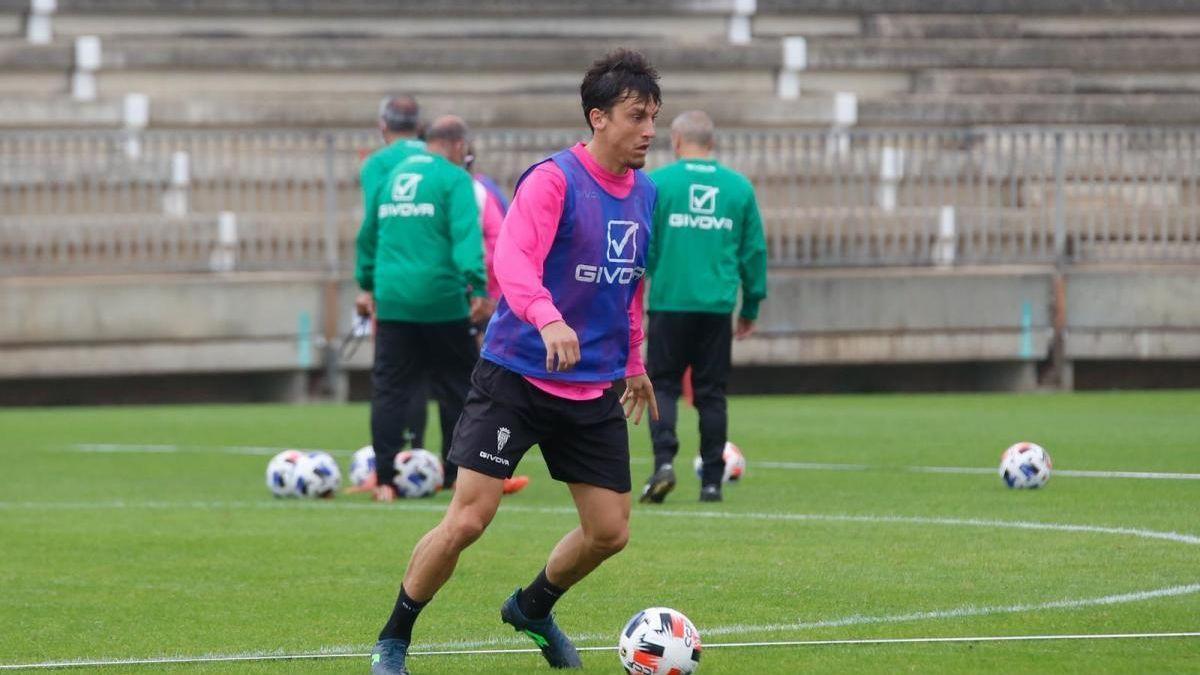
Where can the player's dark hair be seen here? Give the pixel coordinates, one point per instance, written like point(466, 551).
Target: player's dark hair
point(621, 74)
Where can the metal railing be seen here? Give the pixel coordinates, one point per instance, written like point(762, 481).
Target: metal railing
point(94, 202)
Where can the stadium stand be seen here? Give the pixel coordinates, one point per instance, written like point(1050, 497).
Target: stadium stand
point(905, 63)
point(963, 145)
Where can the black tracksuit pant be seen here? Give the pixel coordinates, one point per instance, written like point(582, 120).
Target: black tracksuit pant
point(408, 357)
point(701, 340)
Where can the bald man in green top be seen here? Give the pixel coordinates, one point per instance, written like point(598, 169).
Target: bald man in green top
point(420, 254)
point(707, 244)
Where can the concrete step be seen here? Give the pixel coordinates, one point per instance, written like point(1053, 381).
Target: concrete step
point(321, 110)
point(1124, 54)
point(1136, 83)
point(421, 55)
point(943, 110)
point(18, 55)
point(1026, 7)
point(908, 26)
point(516, 83)
point(693, 26)
point(397, 10)
point(943, 26)
point(972, 81)
point(500, 8)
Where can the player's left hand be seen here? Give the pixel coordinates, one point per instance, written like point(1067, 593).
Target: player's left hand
point(745, 328)
point(639, 394)
point(481, 309)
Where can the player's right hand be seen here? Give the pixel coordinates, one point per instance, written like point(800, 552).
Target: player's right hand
point(385, 493)
point(562, 346)
point(364, 304)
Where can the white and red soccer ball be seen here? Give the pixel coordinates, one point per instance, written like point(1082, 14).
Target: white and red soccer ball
point(281, 473)
point(293, 473)
point(317, 476)
point(735, 464)
point(1025, 466)
point(418, 473)
point(659, 641)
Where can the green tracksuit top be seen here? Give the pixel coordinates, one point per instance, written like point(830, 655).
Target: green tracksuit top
point(420, 249)
point(381, 162)
point(707, 241)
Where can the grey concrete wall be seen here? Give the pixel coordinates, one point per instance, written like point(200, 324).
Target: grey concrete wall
point(132, 325)
point(1139, 314)
point(179, 324)
point(902, 315)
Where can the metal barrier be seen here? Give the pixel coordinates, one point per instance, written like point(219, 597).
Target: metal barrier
point(100, 202)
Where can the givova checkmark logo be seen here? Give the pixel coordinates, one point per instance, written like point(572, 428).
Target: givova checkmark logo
point(702, 199)
point(622, 241)
point(404, 188)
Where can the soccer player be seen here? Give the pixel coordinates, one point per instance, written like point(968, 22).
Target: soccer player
point(570, 260)
point(419, 251)
point(708, 240)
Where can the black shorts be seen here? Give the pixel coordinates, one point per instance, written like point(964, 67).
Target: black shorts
point(581, 441)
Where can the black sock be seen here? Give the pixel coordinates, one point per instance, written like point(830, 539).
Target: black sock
point(404, 615)
point(538, 598)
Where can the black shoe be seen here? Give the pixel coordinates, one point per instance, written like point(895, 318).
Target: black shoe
point(555, 645)
point(659, 485)
point(388, 657)
point(710, 493)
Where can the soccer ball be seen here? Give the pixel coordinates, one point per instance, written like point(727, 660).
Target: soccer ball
point(418, 473)
point(1025, 466)
point(659, 641)
point(362, 466)
point(735, 464)
point(317, 475)
point(281, 473)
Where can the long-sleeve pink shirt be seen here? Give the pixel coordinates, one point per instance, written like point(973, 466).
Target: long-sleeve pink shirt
point(525, 239)
point(491, 215)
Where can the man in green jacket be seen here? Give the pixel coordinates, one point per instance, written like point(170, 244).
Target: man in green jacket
point(399, 124)
point(707, 242)
point(420, 253)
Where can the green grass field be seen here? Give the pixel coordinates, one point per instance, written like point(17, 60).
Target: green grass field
point(113, 551)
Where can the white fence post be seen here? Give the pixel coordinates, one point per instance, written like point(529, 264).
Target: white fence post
point(38, 27)
point(891, 170)
point(136, 113)
point(795, 59)
point(87, 62)
point(944, 246)
point(224, 254)
point(740, 22)
point(175, 199)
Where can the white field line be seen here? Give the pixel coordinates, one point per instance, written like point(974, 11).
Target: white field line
point(167, 449)
point(854, 620)
point(713, 645)
point(438, 506)
point(115, 448)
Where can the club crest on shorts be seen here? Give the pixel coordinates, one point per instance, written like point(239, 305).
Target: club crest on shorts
point(502, 436)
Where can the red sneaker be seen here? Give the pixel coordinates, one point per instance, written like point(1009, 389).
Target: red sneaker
point(515, 484)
